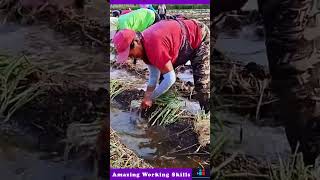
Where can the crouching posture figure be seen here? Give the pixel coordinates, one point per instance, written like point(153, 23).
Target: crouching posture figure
point(137, 20)
point(163, 47)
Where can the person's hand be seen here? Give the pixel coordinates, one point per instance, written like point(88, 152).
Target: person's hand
point(146, 103)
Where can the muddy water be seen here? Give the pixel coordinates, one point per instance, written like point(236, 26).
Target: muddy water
point(243, 45)
point(54, 52)
point(147, 142)
point(133, 81)
point(262, 142)
point(129, 79)
point(186, 76)
point(135, 133)
point(21, 160)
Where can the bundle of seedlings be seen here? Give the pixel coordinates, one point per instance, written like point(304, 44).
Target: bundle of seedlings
point(116, 87)
point(240, 87)
point(121, 156)
point(166, 110)
point(35, 102)
point(19, 84)
point(49, 103)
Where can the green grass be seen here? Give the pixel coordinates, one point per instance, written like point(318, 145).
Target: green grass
point(15, 88)
point(167, 115)
point(294, 169)
point(218, 141)
point(218, 138)
point(168, 110)
point(202, 116)
point(115, 88)
point(170, 97)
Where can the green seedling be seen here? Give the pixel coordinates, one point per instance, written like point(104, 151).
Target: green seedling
point(115, 88)
point(15, 88)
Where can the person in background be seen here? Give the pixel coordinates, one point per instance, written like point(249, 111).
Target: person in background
point(118, 13)
point(177, 16)
point(137, 20)
point(162, 11)
point(163, 47)
point(113, 26)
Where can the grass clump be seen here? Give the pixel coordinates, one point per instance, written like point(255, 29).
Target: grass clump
point(164, 116)
point(218, 140)
point(202, 127)
point(17, 87)
point(115, 88)
point(169, 97)
point(294, 169)
point(168, 110)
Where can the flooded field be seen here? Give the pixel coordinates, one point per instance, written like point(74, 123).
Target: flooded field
point(149, 143)
point(34, 142)
point(265, 143)
point(175, 145)
point(55, 53)
point(243, 45)
point(136, 133)
point(21, 160)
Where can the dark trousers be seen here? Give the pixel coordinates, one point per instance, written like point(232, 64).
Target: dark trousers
point(157, 18)
point(295, 73)
point(162, 16)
